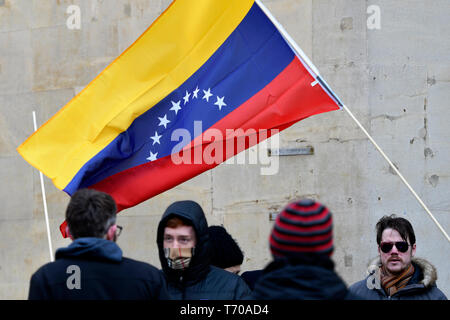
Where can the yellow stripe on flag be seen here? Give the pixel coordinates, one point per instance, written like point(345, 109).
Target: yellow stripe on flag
point(178, 43)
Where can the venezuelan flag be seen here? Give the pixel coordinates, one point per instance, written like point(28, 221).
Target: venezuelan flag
point(222, 63)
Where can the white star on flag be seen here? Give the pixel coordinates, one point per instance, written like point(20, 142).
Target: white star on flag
point(176, 107)
point(207, 94)
point(163, 121)
point(152, 156)
point(195, 92)
point(186, 97)
point(220, 102)
point(156, 138)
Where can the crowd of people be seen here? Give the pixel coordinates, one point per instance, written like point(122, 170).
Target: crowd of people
point(203, 263)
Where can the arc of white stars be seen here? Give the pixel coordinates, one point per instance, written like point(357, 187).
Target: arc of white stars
point(207, 94)
point(186, 97)
point(156, 138)
point(163, 121)
point(195, 93)
point(176, 106)
point(152, 156)
point(220, 102)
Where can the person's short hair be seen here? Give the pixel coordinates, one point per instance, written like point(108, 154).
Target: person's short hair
point(90, 213)
point(401, 225)
point(176, 222)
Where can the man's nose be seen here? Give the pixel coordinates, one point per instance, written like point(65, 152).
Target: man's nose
point(394, 250)
point(176, 244)
point(173, 244)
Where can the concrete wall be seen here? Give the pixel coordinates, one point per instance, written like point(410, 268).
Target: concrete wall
point(395, 79)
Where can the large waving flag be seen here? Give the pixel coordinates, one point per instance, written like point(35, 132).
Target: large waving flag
point(221, 64)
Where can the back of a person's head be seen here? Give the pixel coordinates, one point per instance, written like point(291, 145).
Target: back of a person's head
point(225, 252)
point(302, 227)
point(401, 225)
point(90, 213)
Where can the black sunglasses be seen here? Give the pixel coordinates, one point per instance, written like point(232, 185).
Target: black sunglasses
point(401, 246)
point(118, 230)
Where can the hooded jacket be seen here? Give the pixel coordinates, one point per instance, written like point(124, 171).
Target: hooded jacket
point(300, 277)
point(422, 285)
point(94, 269)
point(200, 281)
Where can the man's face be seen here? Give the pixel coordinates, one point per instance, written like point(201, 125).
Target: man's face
point(179, 237)
point(395, 261)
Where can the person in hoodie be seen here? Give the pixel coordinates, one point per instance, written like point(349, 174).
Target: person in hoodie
point(301, 243)
point(92, 267)
point(185, 255)
point(226, 253)
point(396, 273)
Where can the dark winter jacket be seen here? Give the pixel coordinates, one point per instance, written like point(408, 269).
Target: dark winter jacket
point(251, 277)
point(303, 277)
point(422, 285)
point(200, 281)
point(94, 269)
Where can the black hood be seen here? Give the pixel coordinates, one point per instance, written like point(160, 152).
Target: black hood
point(307, 277)
point(199, 266)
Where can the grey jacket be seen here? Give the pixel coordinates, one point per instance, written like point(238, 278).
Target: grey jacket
point(422, 285)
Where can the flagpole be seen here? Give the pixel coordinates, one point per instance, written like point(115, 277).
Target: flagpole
point(315, 72)
point(44, 201)
point(397, 172)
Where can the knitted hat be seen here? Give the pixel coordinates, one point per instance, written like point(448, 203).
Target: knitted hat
point(225, 252)
point(304, 226)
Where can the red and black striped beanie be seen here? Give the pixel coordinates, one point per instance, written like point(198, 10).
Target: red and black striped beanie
point(304, 226)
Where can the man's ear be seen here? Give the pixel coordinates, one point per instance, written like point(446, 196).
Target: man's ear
point(68, 233)
point(413, 250)
point(111, 233)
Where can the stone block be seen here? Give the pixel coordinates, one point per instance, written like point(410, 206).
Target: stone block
point(16, 189)
point(64, 58)
point(408, 33)
point(138, 237)
point(296, 18)
point(339, 32)
point(14, 16)
point(251, 231)
point(16, 65)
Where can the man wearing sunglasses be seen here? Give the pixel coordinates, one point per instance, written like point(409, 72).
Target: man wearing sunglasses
point(396, 273)
point(92, 266)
